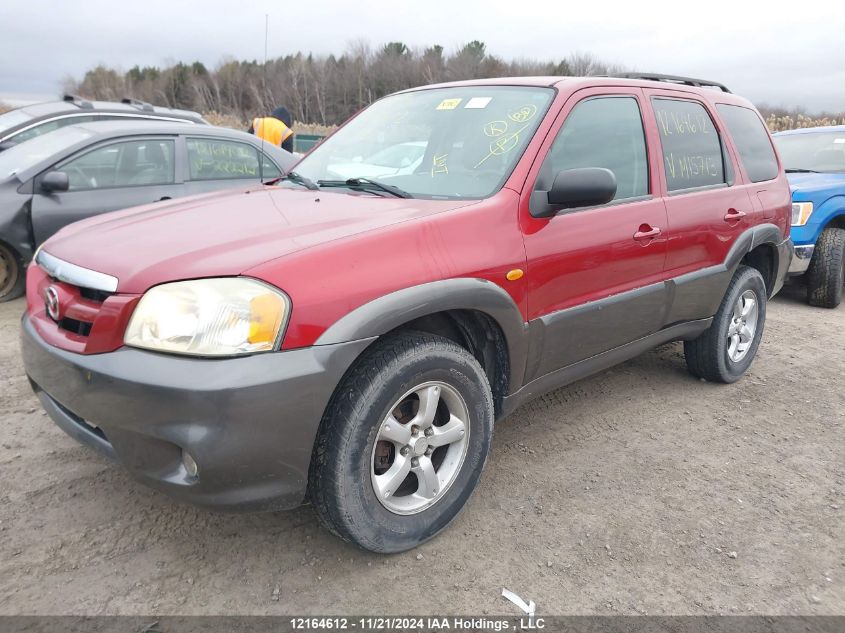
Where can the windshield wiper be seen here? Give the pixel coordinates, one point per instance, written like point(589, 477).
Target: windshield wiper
point(366, 184)
point(299, 179)
point(799, 170)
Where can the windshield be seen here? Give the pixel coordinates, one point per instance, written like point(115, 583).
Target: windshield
point(813, 151)
point(397, 156)
point(23, 156)
point(460, 142)
point(11, 119)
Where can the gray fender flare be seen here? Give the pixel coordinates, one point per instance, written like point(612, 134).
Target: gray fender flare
point(751, 239)
point(390, 311)
point(756, 236)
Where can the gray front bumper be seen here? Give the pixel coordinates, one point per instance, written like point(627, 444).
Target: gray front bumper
point(801, 259)
point(250, 423)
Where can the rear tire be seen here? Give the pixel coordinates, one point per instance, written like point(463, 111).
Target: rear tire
point(826, 273)
point(375, 480)
point(12, 277)
point(724, 351)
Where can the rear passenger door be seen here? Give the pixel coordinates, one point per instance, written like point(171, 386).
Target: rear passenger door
point(217, 163)
point(595, 274)
point(708, 209)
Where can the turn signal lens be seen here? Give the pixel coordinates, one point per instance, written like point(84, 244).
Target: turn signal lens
point(265, 319)
point(801, 212)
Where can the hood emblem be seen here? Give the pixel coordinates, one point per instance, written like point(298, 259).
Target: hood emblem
point(51, 300)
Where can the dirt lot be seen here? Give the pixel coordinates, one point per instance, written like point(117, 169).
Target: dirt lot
point(640, 490)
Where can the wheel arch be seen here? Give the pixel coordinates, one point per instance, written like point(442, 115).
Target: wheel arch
point(475, 313)
point(835, 221)
point(760, 247)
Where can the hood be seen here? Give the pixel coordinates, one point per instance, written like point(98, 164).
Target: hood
point(816, 188)
point(225, 233)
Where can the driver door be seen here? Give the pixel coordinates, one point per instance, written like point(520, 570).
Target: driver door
point(112, 176)
point(597, 272)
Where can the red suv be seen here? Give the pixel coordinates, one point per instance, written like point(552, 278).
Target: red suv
point(350, 338)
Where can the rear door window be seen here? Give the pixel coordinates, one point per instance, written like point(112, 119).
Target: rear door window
point(216, 159)
point(692, 149)
point(752, 141)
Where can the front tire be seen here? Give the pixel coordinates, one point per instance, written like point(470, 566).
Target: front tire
point(724, 351)
point(827, 270)
point(402, 443)
point(12, 277)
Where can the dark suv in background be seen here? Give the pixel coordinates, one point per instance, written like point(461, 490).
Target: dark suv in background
point(22, 124)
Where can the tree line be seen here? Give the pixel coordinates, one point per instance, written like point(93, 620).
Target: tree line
point(325, 89)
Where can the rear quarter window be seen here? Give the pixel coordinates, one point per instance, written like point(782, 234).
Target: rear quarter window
point(752, 141)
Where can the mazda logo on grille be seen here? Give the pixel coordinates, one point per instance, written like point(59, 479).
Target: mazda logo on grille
point(51, 299)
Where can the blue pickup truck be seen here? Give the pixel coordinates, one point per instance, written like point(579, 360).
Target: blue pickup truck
point(814, 159)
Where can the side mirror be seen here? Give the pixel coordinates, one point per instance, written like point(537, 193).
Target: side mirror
point(583, 187)
point(55, 182)
point(6, 145)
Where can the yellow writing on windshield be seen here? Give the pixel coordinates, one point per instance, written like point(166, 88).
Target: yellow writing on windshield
point(495, 128)
point(506, 141)
point(438, 165)
point(523, 113)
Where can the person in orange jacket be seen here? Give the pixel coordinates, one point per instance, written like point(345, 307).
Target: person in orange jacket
point(275, 129)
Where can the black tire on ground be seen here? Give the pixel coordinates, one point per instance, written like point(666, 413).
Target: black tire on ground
point(12, 274)
point(340, 482)
point(826, 273)
point(708, 355)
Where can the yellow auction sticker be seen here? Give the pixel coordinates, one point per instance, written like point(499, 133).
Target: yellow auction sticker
point(449, 104)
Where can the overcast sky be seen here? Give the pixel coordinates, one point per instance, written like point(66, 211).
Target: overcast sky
point(764, 52)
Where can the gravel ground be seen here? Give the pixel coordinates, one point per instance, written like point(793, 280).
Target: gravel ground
point(640, 490)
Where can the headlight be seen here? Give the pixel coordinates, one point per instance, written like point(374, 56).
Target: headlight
point(801, 213)
point(209, 317)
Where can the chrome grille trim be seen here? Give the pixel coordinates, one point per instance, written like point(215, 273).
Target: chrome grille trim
point(73, 274)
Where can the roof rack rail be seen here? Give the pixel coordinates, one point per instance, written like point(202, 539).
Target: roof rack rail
point(141, 105)
point(77, 101)
point(675, 79)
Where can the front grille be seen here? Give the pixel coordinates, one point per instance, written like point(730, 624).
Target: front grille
point(92, 294)
point(80, 328)
point(79, 307)
point(90, 315)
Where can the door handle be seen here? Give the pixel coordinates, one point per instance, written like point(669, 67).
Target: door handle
point(164, 198)
point(733, 215)
point(646, 233)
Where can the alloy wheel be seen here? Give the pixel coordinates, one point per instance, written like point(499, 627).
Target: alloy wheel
point(420, 448)
point(743, 326)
